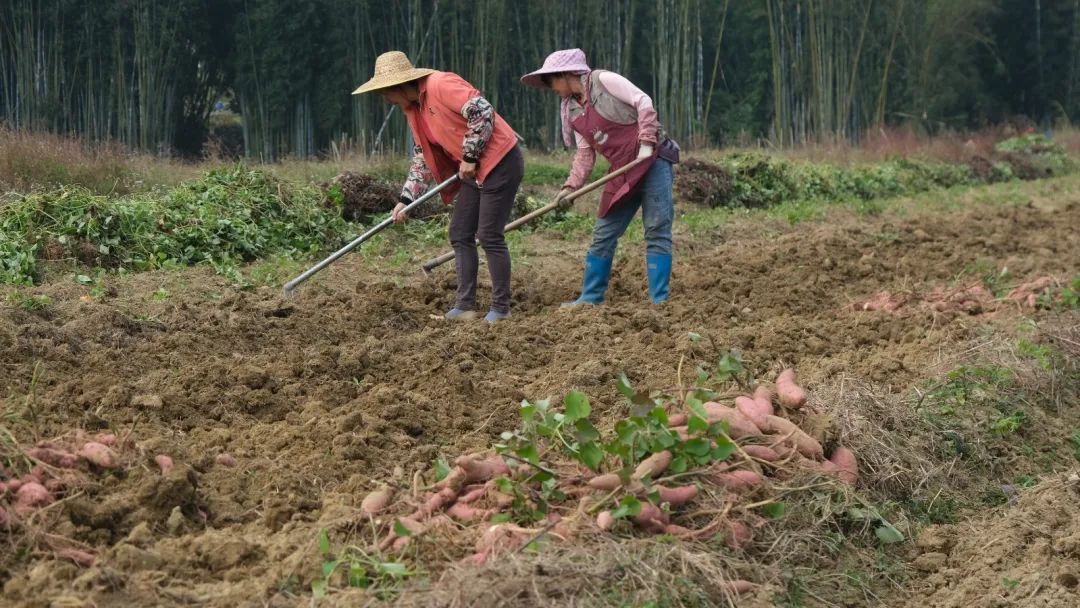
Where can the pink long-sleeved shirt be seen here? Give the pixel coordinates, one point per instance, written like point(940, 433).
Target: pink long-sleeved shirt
point(623, 91)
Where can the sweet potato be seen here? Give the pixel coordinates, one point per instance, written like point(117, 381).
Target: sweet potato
point(82, 559)
point(31, 496)
point(164, 462)
point(739, 425)
point(605, 521)
point(54, 456)
point(750, 408)
point(845, 465)
point(472, 494)
point(98, 454)
point(455, 480)
point(739, 586)
point(606, 482)
point(678, 496)
point(108, 439)
point(763, 396)
point(413, 526)
point(464, 513)
point(737, 535)
point(735, 480)
point(678, 419)
point(376, 501)
point(482, 470)
point(791, 394)
point(225, 459)
point(651, 518)
point(13, 485)
point(807, 445)
point(761, 452)
point(682, 432)
point(653, 466)
point(503, 537)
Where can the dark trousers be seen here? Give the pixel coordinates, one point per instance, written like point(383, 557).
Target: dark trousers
point(480, 214)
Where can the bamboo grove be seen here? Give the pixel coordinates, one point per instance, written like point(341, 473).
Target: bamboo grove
point(148, 73)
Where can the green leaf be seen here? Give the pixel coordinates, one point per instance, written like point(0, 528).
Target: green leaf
point(324, 542)
point(318, 588)
point(527, 411)
point(697, 425)
point(697, 447)
point(585, 431)
point(628, 507)
point(658, 414)
point(541, 477)
point(694, 336)
point(730, 366)
point(329, 567)
point(85, 280)
point(860, 514)
point(400, 530)
point(591, 455)
point(653, 496)
point(394, 569)
point(724, 448)
point(501, 518)
point(888, 534)
point(358, 576)
point(577, 406)
point(697, 408)
point(774, 510)
point(529, 454)
point(442, 469)
point(678, 464)
point(623, 384)
point(626, 431)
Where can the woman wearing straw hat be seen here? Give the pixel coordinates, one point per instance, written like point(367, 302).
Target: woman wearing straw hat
point(456, 130)
point(615, 118)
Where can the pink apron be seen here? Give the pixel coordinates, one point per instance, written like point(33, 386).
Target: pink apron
point(617, 143)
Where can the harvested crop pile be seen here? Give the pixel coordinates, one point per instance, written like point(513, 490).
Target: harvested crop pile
point(361, 196)
point(701, 471)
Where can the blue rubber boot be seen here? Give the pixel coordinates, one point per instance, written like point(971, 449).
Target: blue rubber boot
point(658, 268)
point(460, 314)
point(493, 315)
point(593, 286)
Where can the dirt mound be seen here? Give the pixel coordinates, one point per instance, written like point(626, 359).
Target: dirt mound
point(353, 379)
point(1027, 554)
point(704, 183)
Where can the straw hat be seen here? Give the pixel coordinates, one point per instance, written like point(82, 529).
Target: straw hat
point(391, 69)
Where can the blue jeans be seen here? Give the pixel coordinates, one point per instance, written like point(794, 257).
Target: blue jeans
point(657, 213)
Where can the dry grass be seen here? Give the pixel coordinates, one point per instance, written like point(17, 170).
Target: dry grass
point(29, 160)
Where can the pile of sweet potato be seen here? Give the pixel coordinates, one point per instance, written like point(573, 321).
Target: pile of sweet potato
point(770, 444)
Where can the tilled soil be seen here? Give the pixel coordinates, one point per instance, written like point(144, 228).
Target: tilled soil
point(319, 396)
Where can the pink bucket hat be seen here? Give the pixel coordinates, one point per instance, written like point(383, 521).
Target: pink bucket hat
point(567, 60)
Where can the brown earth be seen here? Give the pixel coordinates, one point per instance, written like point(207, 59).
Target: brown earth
point(1027, 554)
point(356, 379)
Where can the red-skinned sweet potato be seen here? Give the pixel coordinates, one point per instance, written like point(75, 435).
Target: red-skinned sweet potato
point(654, 465)
point(376, 501)
point(807, 445)
point(791, 394)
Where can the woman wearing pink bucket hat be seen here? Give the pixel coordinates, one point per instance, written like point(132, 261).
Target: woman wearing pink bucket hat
point(611, 116)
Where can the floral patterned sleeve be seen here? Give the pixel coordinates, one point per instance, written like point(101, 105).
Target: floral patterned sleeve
point(416, 184)
point(480, 117)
